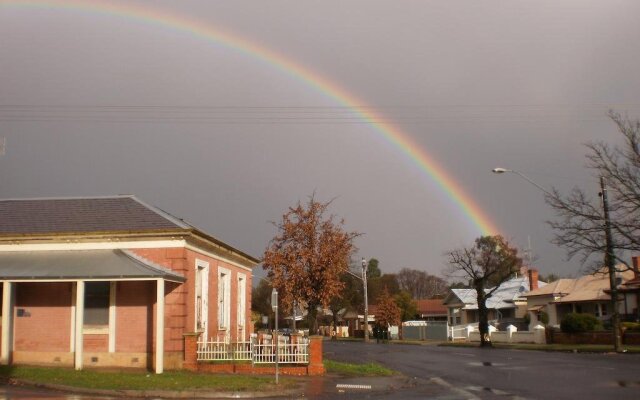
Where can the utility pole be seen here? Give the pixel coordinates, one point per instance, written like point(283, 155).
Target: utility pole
point(366, 301)
point(609, 261)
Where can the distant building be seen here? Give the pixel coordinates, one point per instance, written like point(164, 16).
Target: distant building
point(432, 310)
point(114, 282)
point(506, 304)
point(586, 294)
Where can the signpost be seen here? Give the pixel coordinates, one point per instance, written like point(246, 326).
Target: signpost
point(274, 306)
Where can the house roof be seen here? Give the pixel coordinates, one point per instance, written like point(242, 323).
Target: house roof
point(122, 214)
point(80, 264)
point(592, 287)
point(77, 215)
point(558, 287)
point(431, 307)
point(503, 297)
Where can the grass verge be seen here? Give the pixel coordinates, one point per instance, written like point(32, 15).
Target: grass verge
point(348, 369)
point(573, 348)
point(172, 380)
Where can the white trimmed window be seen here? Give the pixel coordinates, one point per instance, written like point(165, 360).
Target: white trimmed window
point(224, 297)
point(242, 299)
point(202, 296)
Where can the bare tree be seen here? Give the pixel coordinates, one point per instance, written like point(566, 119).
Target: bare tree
point(420, 284)
point(308, 256)
point(579, 227)
point(491, 261)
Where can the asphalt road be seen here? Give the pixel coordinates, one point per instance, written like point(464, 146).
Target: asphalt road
point(463, 373)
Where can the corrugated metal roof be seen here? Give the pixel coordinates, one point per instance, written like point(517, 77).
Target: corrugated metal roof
point(503, 297)
point(77, 215)
point(80, 264)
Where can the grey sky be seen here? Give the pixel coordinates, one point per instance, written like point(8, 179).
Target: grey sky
point(478, 84)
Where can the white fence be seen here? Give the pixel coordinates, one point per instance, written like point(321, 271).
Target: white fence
point(223, 351)
point(511, 335)
point(257, 352)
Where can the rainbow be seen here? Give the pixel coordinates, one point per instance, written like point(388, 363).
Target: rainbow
point(393, 135)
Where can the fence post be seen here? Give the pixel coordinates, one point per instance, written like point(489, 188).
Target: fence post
point(316, 367)
point(467, 332)
point(539, 334)
point(510, 331)
point(191, 351)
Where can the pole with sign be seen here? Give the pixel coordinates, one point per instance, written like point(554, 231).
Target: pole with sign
point(274, 306)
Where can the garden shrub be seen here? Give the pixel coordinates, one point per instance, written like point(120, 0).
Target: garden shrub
point(576, 323)
point(631, 326)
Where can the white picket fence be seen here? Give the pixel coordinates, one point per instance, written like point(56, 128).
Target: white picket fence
point(257, 353)
point(511, 335)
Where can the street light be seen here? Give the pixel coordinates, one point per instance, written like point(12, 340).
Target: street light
point(499, 170)
point(366, 301)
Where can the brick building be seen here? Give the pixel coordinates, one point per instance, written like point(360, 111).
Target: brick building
point(85, 279)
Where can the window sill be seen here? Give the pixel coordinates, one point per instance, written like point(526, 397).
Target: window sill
point(96, 330)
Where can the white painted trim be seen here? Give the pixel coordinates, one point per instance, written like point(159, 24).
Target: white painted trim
point(159, 326)
point(7, 322)
point(216, 256)
point(79, 324)
point(102, 245)
point(112, 317)
point(72, 337)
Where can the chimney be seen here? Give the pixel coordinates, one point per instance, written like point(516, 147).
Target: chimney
point(635, 262)
point(533, 279)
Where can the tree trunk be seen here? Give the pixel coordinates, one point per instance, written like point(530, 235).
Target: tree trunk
point(313, 319)
point(483, 317)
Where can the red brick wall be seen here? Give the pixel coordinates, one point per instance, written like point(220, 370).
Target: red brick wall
point(96, 343)
point(134, 316)
point(175, 297)
point(180, 299)
point(48, 324)
point(213, 294)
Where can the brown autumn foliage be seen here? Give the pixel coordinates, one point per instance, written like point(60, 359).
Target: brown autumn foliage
point(307, 257)
point(388, 312)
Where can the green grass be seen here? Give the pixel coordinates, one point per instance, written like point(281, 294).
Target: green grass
point(369, 369)
point(579, 348)
point(173, 380)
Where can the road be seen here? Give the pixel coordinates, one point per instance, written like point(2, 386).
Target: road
point(500, 373)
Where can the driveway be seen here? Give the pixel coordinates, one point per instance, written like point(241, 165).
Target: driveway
point(501, 373)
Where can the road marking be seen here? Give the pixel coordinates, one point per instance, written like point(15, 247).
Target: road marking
point(466, 394)
point(349, 386)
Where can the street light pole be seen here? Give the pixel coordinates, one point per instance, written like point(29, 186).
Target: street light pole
point(366, 300)
point(274, 306)
point(609, 262)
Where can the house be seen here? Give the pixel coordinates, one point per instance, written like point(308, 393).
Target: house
point(506, 303)
point(630, 292)
point(432, 310)
point(586, 294)
point(114, 282)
